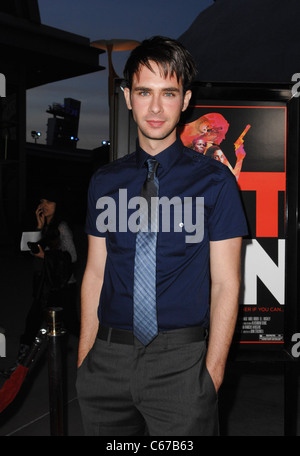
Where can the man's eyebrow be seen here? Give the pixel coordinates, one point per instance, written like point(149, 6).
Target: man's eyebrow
point(138, 89)
point(171, 89)
point(165, 89)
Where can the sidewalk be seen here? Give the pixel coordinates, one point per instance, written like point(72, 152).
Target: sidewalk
point(28, 414)
point(251, 398)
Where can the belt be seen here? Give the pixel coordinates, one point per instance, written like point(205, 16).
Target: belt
point(178, 336)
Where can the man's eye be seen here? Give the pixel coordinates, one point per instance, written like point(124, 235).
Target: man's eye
point(144, 93)
point(169, 94)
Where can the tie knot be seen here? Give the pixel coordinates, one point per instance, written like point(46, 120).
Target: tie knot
point(152, 165)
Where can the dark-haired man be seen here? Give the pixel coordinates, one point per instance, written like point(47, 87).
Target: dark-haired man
point(145, 369)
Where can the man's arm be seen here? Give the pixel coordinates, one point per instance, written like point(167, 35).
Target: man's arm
point(225, 284)
point(90, 294)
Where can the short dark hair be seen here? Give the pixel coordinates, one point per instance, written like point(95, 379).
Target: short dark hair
point(211, 150)
point(169, 54)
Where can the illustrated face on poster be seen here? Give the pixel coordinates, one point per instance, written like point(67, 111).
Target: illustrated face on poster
point(251, 141)
point(248, 138)
point(206, 134)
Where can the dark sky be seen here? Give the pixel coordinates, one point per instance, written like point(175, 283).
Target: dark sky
point(106, 19)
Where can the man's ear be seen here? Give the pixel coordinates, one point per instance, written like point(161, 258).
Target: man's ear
point(127, 97)
point(186, 99)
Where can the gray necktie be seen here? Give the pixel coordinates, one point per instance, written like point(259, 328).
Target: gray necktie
point(144, 298)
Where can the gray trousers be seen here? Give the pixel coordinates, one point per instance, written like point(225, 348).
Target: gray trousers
point(163, 389)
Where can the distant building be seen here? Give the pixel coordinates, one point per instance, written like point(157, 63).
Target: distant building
point(32, 54)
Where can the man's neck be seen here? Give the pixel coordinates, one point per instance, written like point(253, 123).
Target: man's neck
point(155, 146)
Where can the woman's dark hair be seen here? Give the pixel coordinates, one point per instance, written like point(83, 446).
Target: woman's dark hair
point(169, 54)
point(211, 150)
point(50, 232)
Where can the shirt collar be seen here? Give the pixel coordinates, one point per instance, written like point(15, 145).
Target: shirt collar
point(166, 158)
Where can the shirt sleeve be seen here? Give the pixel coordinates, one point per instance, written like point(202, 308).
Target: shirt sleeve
point(227, 218)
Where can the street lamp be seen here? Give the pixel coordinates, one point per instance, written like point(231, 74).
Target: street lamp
point(109, 46)
point(35, 135)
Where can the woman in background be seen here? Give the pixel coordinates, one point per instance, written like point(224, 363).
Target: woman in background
point(54, 283)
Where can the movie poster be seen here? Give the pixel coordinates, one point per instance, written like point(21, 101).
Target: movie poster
point(250, 138)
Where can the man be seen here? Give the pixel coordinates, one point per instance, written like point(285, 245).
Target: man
point(166, 384)
point(199, 145)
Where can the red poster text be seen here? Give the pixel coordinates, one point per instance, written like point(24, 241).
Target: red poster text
point(266, 186)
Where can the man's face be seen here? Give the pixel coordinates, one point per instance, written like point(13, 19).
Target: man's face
point(200, 146)
point(156, 104)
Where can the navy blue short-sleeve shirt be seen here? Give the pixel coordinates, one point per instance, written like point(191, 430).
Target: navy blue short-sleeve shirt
point(199, 202)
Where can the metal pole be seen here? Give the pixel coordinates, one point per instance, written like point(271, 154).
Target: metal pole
point(291, 369)
point(55, 370)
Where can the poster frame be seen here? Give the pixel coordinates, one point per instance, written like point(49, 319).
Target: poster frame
point(222, 94)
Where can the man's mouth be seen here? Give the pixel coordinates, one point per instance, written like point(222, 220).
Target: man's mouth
point(155, 123)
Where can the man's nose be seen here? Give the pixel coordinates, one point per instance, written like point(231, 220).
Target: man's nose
point(155, 105)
